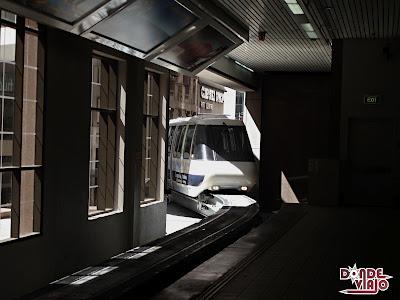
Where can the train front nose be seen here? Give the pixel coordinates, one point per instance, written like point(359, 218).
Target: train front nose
point(239, 176)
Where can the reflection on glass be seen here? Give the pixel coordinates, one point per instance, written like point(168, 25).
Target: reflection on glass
point(5, 204)
point(197, 49)
point(7, 44)
point(66, 10)
point(145, 24)
point(188, 141)
point(94, 160)
point(152, 95)
point(103, 137)
point(31, 24)
point(10, 17)
point(7, 93)
point(222, 142)
point(20, 131)
point(150, 137)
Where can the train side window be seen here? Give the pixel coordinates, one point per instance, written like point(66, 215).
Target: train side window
point(201, 149)
point(178, 150)
point(188, 141)
point(170, 138)
point(177, 138)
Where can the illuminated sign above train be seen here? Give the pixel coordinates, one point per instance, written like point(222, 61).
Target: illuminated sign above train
point(212, 95)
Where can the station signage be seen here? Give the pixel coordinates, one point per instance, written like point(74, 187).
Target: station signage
point(211, 95)
point(206, 105)
point(372, 99)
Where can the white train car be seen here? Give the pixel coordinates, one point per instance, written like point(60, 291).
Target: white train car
point(209, 153)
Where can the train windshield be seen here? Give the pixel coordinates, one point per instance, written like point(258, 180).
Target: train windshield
point(222, 142)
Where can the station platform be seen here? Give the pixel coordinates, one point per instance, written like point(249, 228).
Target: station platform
point(296, 254)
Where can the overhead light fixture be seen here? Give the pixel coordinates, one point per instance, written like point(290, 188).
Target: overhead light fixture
point(307, 27)
point(243, 66)
point(303, 21)
point(294, 7)
point(312, 35)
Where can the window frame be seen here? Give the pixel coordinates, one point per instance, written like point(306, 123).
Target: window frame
point(160, 134)
point(114, 114)
point(23, 27)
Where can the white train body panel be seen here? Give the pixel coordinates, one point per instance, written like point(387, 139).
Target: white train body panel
point(214, 153)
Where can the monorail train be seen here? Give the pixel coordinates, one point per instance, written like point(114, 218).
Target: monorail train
point(209, 153)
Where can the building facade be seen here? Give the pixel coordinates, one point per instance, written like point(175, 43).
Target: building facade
point(190, 96)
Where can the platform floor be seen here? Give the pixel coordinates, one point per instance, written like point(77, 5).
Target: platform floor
point(179, 217)
point(304, 262)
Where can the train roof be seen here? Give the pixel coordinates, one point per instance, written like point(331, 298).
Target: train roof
point(207, 119)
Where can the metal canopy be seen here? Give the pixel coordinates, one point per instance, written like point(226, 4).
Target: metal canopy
point(166, 32)
point(287, 48)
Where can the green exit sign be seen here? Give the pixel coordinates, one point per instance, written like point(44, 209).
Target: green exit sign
point(372, 99)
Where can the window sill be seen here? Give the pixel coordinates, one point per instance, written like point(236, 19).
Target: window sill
point(151, 203)
point(106, 214)
point(22, 238)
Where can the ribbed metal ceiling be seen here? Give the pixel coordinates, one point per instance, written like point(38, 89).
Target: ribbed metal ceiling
point(342, 19)
point(286, 48)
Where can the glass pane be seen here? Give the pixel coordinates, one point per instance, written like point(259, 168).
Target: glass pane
point(188, 142)
point(170, 138)
point(178, 134)
point(224, 142)
point(30, 203)
point(8, 115)
point(150, 158)
point(68, 11)
point(146, 24)
point(6, 150)
point(8, 82)
point(94, 135)
point(200, 148)
point(96, 69)
point(31, 24)
point(152, 95)
point(96, 95)
point(5, 15)
point(93, 162)
point(5, 204)
point(7, 43)
point(197, 49)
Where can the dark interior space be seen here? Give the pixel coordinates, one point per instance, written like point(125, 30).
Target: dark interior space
point(268, 131)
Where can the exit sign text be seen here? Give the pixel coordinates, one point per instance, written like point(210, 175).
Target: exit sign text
point(372, 99)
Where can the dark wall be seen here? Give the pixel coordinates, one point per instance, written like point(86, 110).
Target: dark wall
point(324, 116)
point(299, 122)
point(370, 134)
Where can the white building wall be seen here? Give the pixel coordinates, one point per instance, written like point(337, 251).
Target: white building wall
point(229, 102)
point(251, 127)
point(252, 131)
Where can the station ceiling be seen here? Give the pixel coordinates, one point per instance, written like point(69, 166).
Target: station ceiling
point(189, 35)
point(287, 48)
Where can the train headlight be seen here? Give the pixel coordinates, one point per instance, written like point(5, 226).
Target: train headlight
point(215, 188)
point(243, 188)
